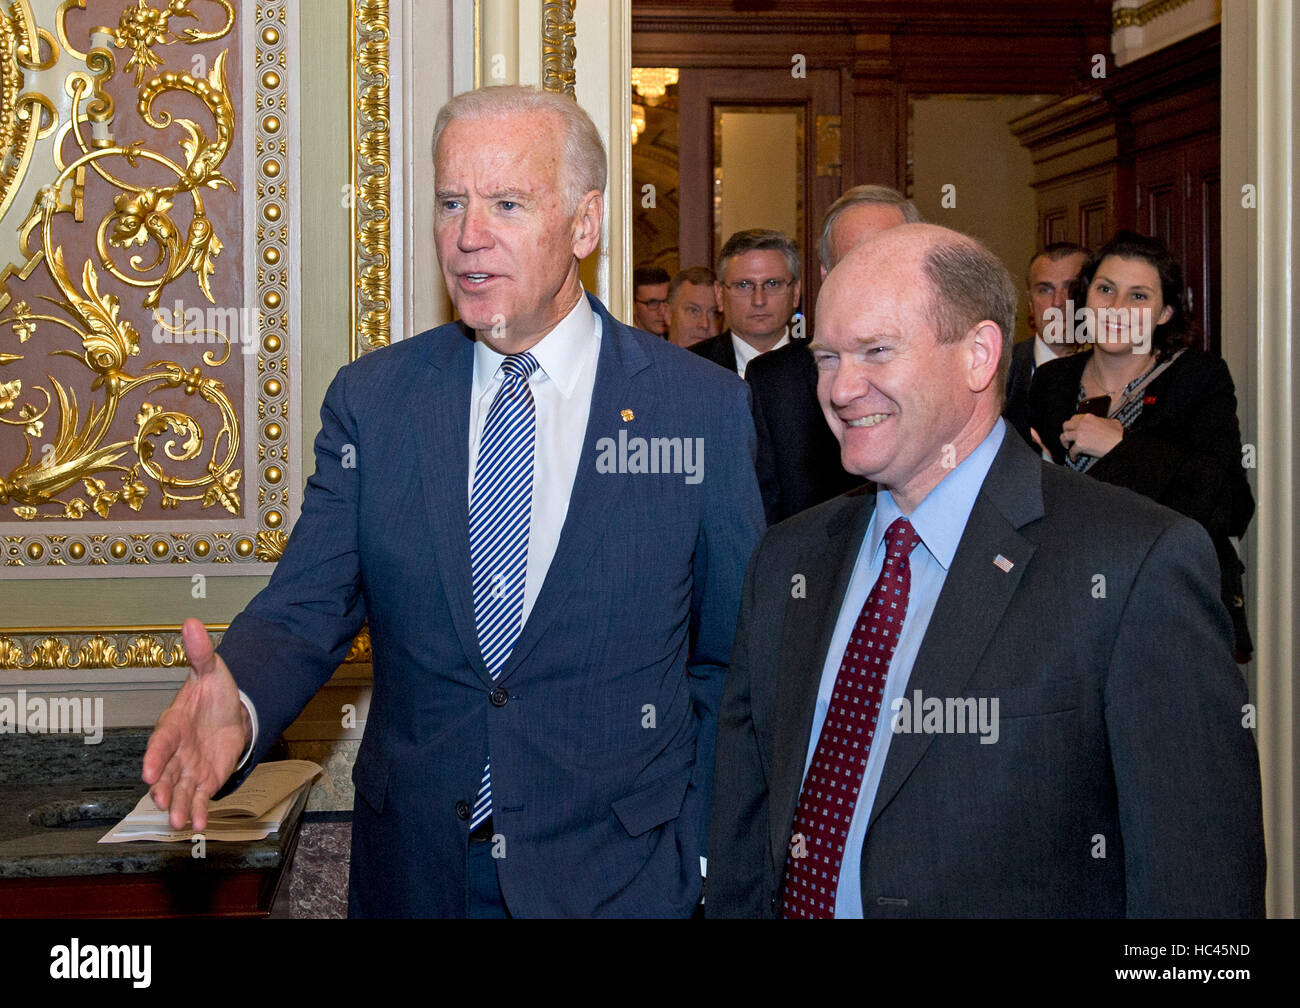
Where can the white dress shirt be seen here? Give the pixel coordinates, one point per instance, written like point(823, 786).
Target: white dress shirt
point(1042, 352)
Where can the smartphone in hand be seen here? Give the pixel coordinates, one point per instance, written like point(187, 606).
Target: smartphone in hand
point(1097, 406)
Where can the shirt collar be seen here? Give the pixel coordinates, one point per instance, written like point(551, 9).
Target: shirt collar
point(1042, 352)
point(559, 353)
point(746, 353)
point(940, 519)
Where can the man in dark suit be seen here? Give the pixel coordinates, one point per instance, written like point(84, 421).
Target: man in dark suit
point(902, 732)
point(1050, 283)
point(758, 288)
point(518, 507)
point(798, 460)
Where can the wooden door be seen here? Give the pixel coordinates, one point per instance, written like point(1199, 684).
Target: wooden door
point(704, 92)
point(1178, 202)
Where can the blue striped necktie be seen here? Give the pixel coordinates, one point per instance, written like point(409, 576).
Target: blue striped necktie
point(500, 510)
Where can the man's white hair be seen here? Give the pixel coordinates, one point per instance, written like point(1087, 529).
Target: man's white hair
point(585, 166)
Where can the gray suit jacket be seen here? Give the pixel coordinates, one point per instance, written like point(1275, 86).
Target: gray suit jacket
point(1123, 781)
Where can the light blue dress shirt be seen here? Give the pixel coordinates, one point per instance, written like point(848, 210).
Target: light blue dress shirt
point(939, 520)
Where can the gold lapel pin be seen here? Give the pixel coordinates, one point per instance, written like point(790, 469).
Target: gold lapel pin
point(627, 415)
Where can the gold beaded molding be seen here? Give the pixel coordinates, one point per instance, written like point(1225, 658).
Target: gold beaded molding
point(47, 649)
point(369, 196)
point(1136, 17)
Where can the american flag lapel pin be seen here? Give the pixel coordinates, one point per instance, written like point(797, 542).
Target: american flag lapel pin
point(1003, 564)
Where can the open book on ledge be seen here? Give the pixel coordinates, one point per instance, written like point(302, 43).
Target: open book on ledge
point(253, 812)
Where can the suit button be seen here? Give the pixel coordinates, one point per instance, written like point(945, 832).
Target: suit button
point(499, 697)
point(462, 810)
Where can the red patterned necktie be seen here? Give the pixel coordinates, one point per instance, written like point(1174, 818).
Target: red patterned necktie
point(830, 789)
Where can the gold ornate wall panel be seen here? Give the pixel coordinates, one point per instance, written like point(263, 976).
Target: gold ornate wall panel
point(559, 47)
point(371, 172)
point(148, 341)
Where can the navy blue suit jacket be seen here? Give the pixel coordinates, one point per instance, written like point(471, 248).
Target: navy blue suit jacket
point(602, 752)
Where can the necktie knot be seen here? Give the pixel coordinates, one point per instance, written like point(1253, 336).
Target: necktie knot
point(900, 539)
point(519, 366)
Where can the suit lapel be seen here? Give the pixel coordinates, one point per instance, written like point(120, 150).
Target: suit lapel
point(810, 376)
point(1010, 498)
point(592, 500)
point(729, 351)
point(804, 643)
point(442, 444)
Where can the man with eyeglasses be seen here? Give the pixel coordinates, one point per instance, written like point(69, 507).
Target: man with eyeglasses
point(650, 299)
point(758, 288)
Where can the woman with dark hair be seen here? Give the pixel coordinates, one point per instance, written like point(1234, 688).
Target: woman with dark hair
point(1143, 409)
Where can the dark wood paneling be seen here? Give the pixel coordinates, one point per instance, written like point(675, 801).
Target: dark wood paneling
point(1149, 136)
point(1095, 222)
point(872, 151)
point(1204, 245)
point(880, 54)
point(1055, 228)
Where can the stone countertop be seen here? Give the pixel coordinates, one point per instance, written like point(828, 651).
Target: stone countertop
point(58, 796)
point(29, 759)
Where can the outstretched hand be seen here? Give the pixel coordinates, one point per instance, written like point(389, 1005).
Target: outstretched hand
point(198, 739)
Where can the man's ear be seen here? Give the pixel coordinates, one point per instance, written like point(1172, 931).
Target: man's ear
point(586, 224)
point(984, 345)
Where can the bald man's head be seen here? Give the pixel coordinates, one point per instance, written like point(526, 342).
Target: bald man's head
point(912, 344)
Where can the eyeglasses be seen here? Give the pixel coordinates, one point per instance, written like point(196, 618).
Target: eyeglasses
point(746, 288)
point(653, 305)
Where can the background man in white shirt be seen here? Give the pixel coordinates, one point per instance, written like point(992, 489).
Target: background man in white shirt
point(758, 288)
point(1049, 282)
